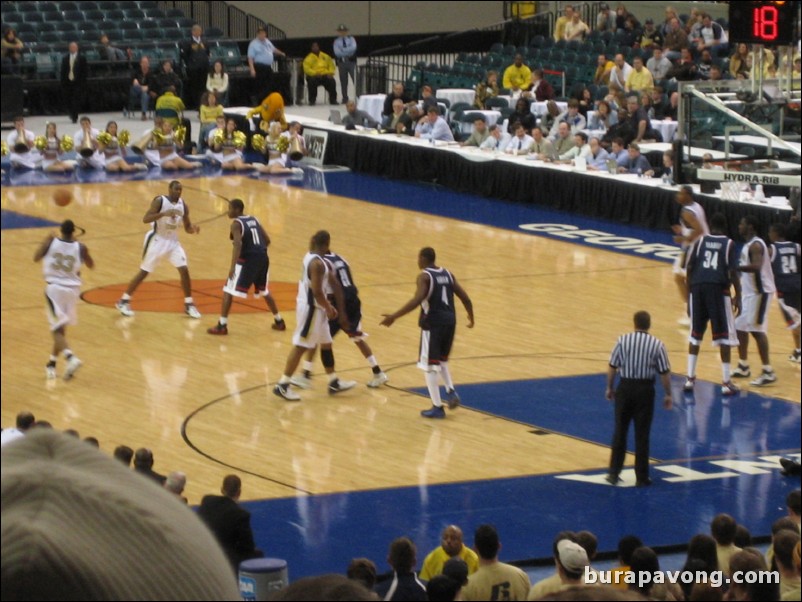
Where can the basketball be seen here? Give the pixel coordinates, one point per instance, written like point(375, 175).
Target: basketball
point(62, 197)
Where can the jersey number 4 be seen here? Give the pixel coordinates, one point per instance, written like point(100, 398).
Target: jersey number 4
point(788, 264)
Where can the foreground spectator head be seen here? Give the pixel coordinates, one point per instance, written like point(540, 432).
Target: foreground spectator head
point(25, 420)
point(362, 570)
point(644, 559)
point(451, 540)
point(232, 486)
point(626, 546)
point(723, 529)
point(176, 482)
point(571, 560)
point(78, 526)
point(124, 454)
point(784, 543)
point(751, 560)
point(793, 501)
point(486, 542)
point(143, 459)
point(586, 539)
point(457, 569)
point(442, 588)
point(402, 555)
point(325, 587)
point(743, 538)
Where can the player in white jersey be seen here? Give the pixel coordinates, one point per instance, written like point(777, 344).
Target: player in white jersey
point(63, 258)
point(757, 286)
point(166, 213)
point(692, 225)
point(313, 312)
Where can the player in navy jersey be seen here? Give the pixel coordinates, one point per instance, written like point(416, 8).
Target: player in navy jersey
point(435, 292)
point(349, 320)
point(249, 266)
point(785, 258)
point(711, 268)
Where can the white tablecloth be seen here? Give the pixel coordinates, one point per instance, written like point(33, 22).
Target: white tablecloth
point(372, 104)
point(455, 95)
point(666, 128)
point(490, 116)
point(539, 108)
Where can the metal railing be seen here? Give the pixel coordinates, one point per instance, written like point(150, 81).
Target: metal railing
point(234, 23)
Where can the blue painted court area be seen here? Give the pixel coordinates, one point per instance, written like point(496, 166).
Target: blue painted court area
point(712, 457)
point(11, 220)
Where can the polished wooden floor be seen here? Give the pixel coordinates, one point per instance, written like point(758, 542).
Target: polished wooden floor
point(544, 308)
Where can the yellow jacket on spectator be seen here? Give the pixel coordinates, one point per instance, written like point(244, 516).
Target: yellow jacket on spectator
point(637, 82)
point(210, 114)
point(559, 27)
point(318, 64)
point(516, 78)
point(168, 100)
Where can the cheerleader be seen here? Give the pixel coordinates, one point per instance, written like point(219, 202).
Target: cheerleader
point(275, 148)
point(167, 143)
point(229, 143)
point(112, 148)
point(51, 147)
point(20, 142)
point(88, 133)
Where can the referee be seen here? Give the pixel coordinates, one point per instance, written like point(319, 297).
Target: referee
point(638, 356)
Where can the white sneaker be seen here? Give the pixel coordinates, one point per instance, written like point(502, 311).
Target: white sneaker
point(742, 371)
point(72, 367)
point(341, 385)
point(684, 321)
point(765, 378)
point(50, 372)
point(192, 311)
point(690, 382)
point(302, 382)
point(378, 380)
point(125, 308)
point(795, 357)
point(285, 392)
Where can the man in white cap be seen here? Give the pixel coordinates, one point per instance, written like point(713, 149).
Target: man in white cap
point(571, 562)
point(345, 54)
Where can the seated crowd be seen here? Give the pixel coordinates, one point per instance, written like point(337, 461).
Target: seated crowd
point(454, 571)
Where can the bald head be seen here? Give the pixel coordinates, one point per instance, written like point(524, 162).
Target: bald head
point(451, 540)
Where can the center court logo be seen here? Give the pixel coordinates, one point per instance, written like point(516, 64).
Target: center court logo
point(605, 239)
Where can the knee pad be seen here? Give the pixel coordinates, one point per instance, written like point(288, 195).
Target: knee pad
point(327, 357)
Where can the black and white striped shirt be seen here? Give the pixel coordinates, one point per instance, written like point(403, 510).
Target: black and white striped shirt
point(638, 355)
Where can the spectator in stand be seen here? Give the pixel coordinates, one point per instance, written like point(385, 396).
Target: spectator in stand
point(640, 78)
point(793, 503)
point(572, 117)
point(631, 33)
point(704, 65)
point(572, 560)
point(644, 559)
point(723, 529)
point(665, 26)
point(548, 118)
point(209, 112)
point(523, 115)
point(576, 28)
point(494, 579)
point(217, 82)
point(112, 53)
point(167, 78)
point(621, 16)
point(751, 560)
point(354, 117)
point(11, 51)
point(25, 421)
point(169, 101)
point(604, 68)
point(605, 20)
point(520, 142)
point(478, 136)
point(637, 163)
point(542, 146)
point(427, 98)
point(517, 76)
point(675, 40)
point(650, 36)
point(585, 99)
point(602, 118)
point(783, 546)
point(486, 90)
point(685, 69)
point(540, 89)
point(175, 484)
point(143, 464)
point(319, 70)
point(261, 54)
point(693, 24)
point(415, 117)
point(451, 546)
point(741, 61)
point(561, 22)
point(124, 454)
point(660, 107)
point(658, 65)
point(581, 149)
point(195, 56)
point(597, 159)
point(701, 557)
point(434, 127)
point(398, 92)
point(623, 130)
point(743, 538)
point(362, 570)
point(404, 583)
point(551, 584)
point(229, 522)
point(712, 36)
point(716, 75)
point(620, 73)
point(143, 88)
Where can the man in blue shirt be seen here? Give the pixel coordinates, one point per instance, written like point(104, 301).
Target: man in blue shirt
point(434, 127)
point(345, 55)
point(597, 160)
point(637, 163)
point(260, 62)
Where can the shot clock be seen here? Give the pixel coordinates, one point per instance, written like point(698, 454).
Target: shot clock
point(769, 23)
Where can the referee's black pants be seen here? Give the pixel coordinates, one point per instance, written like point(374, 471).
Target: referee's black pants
point(634, 402)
